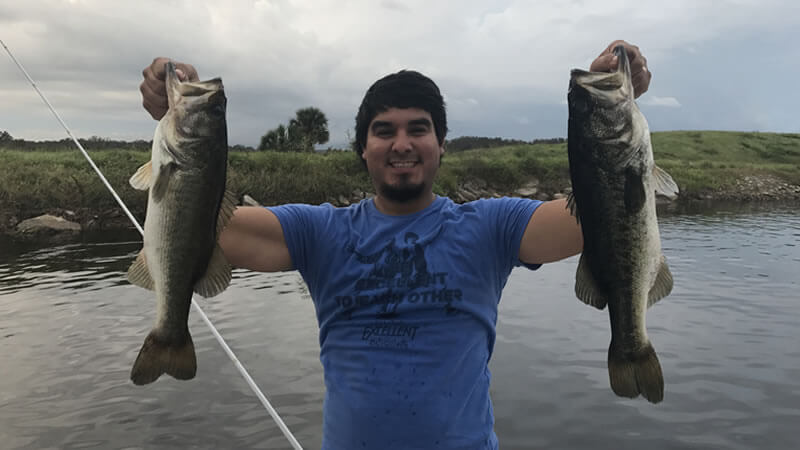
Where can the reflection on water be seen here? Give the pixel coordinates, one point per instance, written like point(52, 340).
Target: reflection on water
point(727, 337)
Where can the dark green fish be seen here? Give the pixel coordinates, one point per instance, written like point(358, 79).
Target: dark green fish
point(187, 208)
point(614, 185)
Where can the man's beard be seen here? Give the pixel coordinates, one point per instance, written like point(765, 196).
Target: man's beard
point(403, 193)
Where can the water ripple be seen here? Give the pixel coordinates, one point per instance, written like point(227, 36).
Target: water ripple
point(71, 326)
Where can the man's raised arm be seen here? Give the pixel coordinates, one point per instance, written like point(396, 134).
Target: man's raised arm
point(253, 239)
point(553, 233)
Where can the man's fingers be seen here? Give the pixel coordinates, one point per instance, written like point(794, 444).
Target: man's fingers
point(613, 45)
point(640, 73)
point(155, 110)
point(638, 61)
point(641, 82)
point(156, 97)
point(154, 88)
point(154, 94)
point(186, 72)
point(151, 87)
point(158, 68)
point(604, 63)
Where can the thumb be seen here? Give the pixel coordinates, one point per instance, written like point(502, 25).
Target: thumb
point(604, 63)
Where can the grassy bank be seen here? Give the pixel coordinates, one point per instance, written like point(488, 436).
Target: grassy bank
point(703, 163)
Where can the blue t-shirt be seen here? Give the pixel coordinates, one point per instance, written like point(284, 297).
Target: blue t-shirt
point(407, 307)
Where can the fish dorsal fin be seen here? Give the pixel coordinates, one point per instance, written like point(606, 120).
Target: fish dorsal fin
point(663, 284)
point(139, 274)
point(226, 208)
point(217, 276)
point(664, 184)
point(572, 206)
point(143, 177)
point(585, 287)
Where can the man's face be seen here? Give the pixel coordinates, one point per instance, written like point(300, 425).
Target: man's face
point(402, 153)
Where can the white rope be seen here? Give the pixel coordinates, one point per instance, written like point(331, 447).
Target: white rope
point(228, 351)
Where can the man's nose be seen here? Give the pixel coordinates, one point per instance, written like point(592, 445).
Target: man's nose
point(402, 142)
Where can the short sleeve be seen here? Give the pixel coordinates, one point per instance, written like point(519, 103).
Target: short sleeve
point(510, 217)
point(302, 226)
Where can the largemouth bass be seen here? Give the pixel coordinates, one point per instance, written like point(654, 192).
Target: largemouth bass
point(614, 185)
point(187, 208)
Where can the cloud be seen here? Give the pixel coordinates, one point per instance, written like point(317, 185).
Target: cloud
point(502, 59)
point(652, 100)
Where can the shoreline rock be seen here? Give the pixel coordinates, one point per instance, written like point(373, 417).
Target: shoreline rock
point(47, 224)
point(47, 227)
point(755, 189)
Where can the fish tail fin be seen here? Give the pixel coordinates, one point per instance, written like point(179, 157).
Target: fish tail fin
point(634, 373)
point(159, 356)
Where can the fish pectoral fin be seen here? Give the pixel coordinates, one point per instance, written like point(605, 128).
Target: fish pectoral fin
point(217, 276)
point(663, 284)
point(143, 177)
point(585, 287)
point(161, 183)
point(226, 208)
point(664, 184)
point(572, 206)
point(139, 274)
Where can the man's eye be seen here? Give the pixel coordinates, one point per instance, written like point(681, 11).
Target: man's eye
point(418, 130)
point(383, 132)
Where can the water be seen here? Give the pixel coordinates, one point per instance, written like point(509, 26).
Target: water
point(727, 337)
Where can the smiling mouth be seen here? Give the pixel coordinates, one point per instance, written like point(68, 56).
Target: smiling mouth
point(402, 164)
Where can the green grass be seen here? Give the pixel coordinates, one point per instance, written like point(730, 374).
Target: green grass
point(714, 160)
point(699, 161)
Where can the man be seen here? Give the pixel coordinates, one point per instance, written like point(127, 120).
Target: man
point(406, 285)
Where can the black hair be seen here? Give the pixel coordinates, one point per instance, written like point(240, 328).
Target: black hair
point(403, 89)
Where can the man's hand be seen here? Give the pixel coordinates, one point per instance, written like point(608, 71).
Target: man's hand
point(153, 88)
point(640, 74)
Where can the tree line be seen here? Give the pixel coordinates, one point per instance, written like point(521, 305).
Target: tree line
point(7, 141)
point(308, 128)
point(462, 143)
point(93, 143)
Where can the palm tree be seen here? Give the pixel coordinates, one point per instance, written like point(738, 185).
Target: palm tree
point(276, 139)
point(309, 127)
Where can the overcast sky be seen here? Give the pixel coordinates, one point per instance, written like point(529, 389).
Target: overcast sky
point(503, 66)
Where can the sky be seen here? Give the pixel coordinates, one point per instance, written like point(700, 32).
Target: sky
point(503, 66)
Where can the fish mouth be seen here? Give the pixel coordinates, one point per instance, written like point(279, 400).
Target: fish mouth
point(191, 88)
point(598, 82)
point(200, 88)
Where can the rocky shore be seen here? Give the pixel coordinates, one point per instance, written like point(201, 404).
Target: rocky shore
point(749, 188)
point(58, 224)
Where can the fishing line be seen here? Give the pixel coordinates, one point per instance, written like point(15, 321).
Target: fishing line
point(228, 351)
